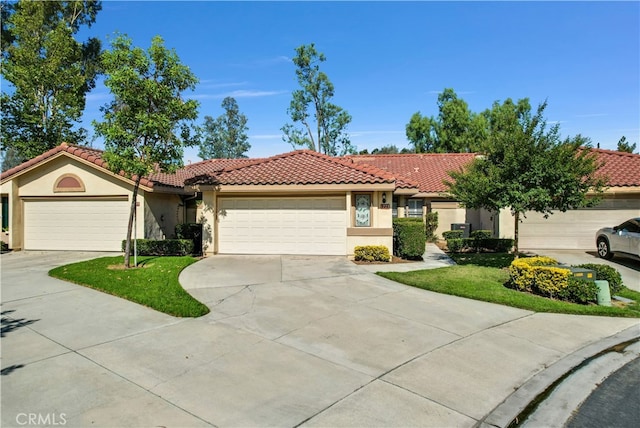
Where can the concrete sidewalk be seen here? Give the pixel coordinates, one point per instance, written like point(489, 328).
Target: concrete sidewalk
point(290, 341)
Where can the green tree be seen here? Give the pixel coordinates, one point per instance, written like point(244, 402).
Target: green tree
point(48, 71)
point(148, 122)
point(10, 159)
point(527, 167)
point(323, 123)
point(225, 136)
point(391, 149)
point(455, 129)
point(421, 133)
point(624, 146)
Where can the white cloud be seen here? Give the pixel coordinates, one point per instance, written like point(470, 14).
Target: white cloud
point(240, 93)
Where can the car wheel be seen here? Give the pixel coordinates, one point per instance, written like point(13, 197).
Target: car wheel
point(603, 249)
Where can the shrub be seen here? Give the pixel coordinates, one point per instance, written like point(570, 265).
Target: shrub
point(3, 246)
point(409, 237)
point(456, 245)
point(166, 247)
point(606, 273)
point(192, 231)
point(372, 253)
point(452, 234)
point(431, 226)
point(481, 234)
point(499, 245)
point(579, 291)
point(477, 239)
point(537, 275)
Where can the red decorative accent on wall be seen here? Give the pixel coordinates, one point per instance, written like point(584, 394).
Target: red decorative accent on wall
point(68, 183)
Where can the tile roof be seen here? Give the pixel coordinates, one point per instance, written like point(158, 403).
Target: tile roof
point(196, 170)
point(303, 167)
point(165, 179)
point(428, 170)
point(425, 171)
point(622, 169)
point(89, 154)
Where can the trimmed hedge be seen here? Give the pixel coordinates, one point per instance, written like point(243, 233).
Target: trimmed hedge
point(409, 237)
point(164, 247)
point(481, 234)
point(192, 231)
point(498, 245)
point(372, 253)
point(606, 273)
point(452, 234)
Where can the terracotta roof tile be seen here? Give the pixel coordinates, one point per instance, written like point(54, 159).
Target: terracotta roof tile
point(303, 167)
point(425, 172)
point(428, 170)
point(621, 169)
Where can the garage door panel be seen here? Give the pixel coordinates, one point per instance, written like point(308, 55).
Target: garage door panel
point(574, 229)
point(80, 225)
point(282, 226)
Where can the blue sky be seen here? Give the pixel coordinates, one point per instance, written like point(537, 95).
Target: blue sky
point(388, 60)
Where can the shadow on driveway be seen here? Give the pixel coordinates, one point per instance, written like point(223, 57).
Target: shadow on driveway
point(622, 261)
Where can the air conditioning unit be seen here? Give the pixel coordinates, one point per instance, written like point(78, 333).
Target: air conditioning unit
point(464, 227)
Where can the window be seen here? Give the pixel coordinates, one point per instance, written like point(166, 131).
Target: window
point(363, 210)
point(414, 208)
point(68, 183)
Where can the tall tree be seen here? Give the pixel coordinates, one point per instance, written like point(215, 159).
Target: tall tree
point(455, 129)
point(527, 167)
point(625, 146)
point(148, 122)
point(225, 136)
point(49, 73)
point(323, 123)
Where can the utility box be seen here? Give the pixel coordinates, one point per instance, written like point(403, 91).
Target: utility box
point(581, 273)
point(464, 227)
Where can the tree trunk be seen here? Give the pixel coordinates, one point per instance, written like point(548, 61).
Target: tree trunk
point(516, 249)
point(132, 213)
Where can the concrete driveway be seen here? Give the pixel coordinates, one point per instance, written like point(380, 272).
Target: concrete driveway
point(629, 269)
point(290, 341)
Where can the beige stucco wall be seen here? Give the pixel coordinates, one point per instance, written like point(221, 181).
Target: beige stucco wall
point(161, 215)
point(448, 212)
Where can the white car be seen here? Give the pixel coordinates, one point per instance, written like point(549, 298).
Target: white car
point(623, 240)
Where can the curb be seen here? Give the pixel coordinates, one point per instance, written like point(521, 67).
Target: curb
point(506, 413)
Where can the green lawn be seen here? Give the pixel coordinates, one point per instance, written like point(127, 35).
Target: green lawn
point(475, 280)
point(154, 283)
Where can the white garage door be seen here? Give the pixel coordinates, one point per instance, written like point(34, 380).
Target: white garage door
point(282, 226)
point(574, 229)
point(81, 225)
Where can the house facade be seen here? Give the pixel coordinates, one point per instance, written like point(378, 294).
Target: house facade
point(300, 202)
